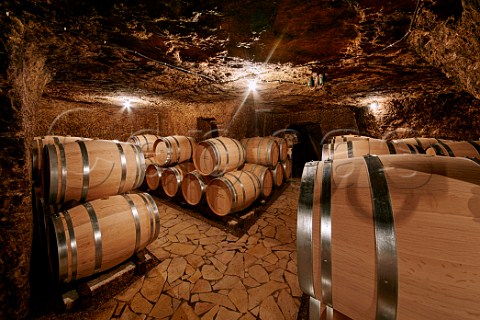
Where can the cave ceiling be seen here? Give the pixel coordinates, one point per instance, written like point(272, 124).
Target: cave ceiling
point(178, 51)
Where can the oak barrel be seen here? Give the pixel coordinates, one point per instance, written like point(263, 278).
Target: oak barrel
point(172, 178)
point(100, 234)
point(153, 176)
point(194, 186)
point(455, 149)
point(264, 175)
point(146, 143)
point(172, 150)
point(348, 137)
point(87, 170)
point(358, 148)
point(233, 192)
point(287, 168)
point(391, 236)
point(218, 155)
point(282, 148)
point(424, 143)
point(278, 175)
point(261, 150)
point(37, 152)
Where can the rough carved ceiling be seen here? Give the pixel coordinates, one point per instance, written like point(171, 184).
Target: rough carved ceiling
point(207, 51)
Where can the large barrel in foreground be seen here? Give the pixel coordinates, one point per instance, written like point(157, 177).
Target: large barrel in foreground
point(218, 155)
point(358, 148)
point(100, 234)
point(380, 237)
point(87, 170)
point(233, 192)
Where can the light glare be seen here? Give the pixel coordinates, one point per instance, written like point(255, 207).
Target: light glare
point(252, 85)
point(374, 106)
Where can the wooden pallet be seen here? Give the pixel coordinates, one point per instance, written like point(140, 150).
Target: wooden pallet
point(83, 292)
point(236, 223)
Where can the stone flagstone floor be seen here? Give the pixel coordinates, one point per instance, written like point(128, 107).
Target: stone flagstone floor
point(208, 273)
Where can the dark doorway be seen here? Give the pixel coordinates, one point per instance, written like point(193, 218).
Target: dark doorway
point(308, 148)
point(207, 128)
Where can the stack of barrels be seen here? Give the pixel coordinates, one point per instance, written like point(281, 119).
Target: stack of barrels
point(223, 173)
point(92, 220)
point(449, 148)
point(390, 235)
point(239, 172)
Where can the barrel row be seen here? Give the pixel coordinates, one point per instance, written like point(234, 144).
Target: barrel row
point(243, 186)
point(85, 216)
point(431, 146)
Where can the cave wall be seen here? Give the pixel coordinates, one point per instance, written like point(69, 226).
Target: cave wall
point(23, 78)
point(334, 120)
point(446, 36)
point(452, 116)
point(107, 121)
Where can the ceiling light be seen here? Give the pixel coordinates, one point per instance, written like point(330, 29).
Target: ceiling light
point(126, 104)
point(252, 85)
point(373, 106)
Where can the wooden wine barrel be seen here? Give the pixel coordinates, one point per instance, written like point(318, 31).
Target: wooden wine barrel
point(391, 236)
point(424, 143)
point(261, 150)
point(194, 186)
point(100, 234)
point(348, 137)
point(264, 175)
point(455, 149)
point(153, 176)
point(287, 168)
point(148, 161)
point(282, 148)
point(172, 178)
point(218, 155)
point(37, 152)
point(87, 170)
point(146, 143)
point(233, 192)
point(278, 175)
point(358, 148)
point(172, 150)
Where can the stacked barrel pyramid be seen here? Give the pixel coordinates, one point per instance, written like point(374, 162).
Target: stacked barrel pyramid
point(391, 229)
point(226, 174)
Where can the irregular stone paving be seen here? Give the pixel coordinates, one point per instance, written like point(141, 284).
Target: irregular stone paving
point(207, 273)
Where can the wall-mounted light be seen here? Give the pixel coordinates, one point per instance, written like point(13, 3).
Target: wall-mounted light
point(126, 104)
point(373, 106)
point(252, 85)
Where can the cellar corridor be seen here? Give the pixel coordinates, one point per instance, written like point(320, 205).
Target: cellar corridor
point(166, 160)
